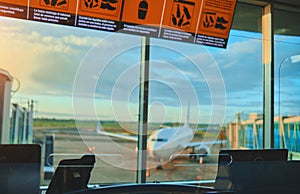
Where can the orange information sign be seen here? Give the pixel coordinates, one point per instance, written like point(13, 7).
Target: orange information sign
point(53, 11)
point(58, 5)
point(66, 6)
point(182, 14)
point(143, 11)
point(142, 16)
point(16, 2)
point(99, 14)
point(206, 22)
point(109, 9)
point(180, 20)
point(216, 19)
point(17, 9)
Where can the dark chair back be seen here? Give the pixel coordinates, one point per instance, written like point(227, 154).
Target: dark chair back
point(230, 162)
point(20, 166)
point(71, 175)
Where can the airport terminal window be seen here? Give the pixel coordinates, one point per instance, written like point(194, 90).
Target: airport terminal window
point(287, 68)
point(50, 60)
point(188, 81)
point(84, 84)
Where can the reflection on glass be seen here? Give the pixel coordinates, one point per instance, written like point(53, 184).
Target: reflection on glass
point(79, 91)
point(287, 69)
point(287, 126)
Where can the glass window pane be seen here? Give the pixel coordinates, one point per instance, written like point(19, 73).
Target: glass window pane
point(216, 86)
point(81, 83)
point(287, 69)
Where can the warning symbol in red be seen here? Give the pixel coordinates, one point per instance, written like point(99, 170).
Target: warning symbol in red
point(61, 4)
point(182, 14)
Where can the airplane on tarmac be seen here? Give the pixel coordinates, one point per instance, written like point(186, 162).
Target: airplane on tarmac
point(166, 142)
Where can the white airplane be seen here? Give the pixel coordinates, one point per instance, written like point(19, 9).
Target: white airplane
point(163, 144)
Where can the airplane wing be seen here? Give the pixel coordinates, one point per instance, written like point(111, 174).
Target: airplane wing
point(127, 137)
point(101, 132)
point(198, 144)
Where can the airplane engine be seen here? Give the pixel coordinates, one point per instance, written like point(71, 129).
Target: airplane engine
point(201, 153)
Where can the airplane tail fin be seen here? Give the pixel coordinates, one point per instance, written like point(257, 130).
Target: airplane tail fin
point(187, 122)
point(99, 128)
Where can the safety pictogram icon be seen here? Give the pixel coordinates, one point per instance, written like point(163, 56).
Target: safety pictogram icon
point(107, 7)
point(62, 4)
point(182, 13)
point(90, 4)
point(143, 9)
point(212, 20)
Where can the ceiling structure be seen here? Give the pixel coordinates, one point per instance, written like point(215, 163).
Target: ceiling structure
point(284, 4)
point(286, 12)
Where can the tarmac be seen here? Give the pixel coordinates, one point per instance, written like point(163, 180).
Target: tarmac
point(116, 160)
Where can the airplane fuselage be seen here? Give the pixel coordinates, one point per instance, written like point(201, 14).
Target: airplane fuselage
point(164, 143)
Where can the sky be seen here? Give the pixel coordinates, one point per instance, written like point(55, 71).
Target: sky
point(88, 74)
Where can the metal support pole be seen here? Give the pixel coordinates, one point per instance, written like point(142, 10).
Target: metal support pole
point(268, 76)
point(143, 111)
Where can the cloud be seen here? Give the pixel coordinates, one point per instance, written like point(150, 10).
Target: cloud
point(47, 59)
point(242, 61)
point(44, 61)
point(295, 59)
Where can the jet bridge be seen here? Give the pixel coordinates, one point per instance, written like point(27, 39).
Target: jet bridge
point(5, 92)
